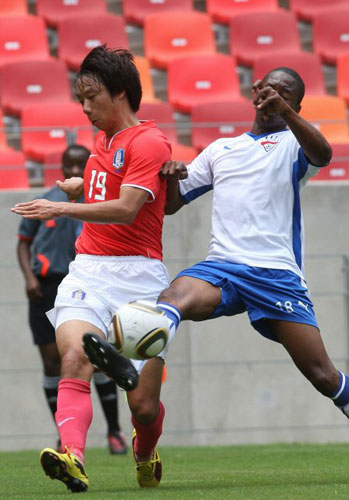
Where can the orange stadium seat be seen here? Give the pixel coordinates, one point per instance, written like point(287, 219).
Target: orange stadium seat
point(29, 83)
point(331, 33)
point(307, 10)
point(52, 169)
point(170, 35)
point(22, 38)
point(135, 11)
point(47, 128)
point(53, 11)
point(13, 171)
point(163, 115)
point(343, 76)
point(3, 138)
point(78, 35)
point(338, 169)
point(213, 121)
point(306, 64)
point(148, 91)
point(13, 7)
point(202, 79)
point(256, 34)
point(222, 11)
point(328, 113)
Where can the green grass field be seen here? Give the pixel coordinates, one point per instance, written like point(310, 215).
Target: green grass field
point(268, 472)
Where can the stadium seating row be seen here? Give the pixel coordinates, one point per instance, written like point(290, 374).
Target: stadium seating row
point(172, 35)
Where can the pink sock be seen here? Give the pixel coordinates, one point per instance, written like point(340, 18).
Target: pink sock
point(148, 435)
point(74, 414)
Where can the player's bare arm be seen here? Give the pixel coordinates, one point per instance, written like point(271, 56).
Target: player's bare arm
point(73, 187)
point(174, 171)
point(271, 102)
point(120, 211)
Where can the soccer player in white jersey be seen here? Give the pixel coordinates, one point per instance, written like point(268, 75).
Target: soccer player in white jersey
point(255, 259)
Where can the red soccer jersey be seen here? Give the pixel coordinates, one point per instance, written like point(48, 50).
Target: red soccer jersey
point(132, 157)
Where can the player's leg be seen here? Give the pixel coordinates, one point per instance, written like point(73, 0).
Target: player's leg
point(52, 373)
point(304, 344)
point(74, 405)
point(148, 414)
point(108, 395)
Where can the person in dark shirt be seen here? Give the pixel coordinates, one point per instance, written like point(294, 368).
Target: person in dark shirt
point(45, 250)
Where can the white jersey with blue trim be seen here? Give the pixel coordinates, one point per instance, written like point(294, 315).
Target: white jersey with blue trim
point(256, 182)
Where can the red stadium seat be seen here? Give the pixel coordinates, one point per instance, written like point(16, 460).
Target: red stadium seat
point(135, 11)
point(343, 76)
point(13, 171)
point(13, 8)
point(52, 169)
point(47, 128)
point(22, 38)
point(222, 11)
point(163, 115)
point(28, 83)
point(306, 64)
point(202, 79)
point(213, 121)
point(53, 11)
point(78, 35)
point(328, 113)
point(148, 91)
point(338, 169)
point(307, 10)
point(331, 34)
point(171, 35)
point(262, 33)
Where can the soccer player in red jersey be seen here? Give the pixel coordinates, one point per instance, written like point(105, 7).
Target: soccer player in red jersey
point(119, 259)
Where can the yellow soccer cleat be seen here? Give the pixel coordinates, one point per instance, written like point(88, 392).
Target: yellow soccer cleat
point(65, 467)
point(148, 473)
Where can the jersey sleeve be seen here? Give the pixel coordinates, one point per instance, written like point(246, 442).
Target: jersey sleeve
point(200, 177)
point(305, 170)
point(147, 155)
point(28, 229)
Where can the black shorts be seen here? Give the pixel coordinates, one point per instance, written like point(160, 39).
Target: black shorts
point(42, 330)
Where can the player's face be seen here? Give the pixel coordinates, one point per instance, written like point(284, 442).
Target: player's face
point(101, 109)
point(74, 164)
point(286, 87)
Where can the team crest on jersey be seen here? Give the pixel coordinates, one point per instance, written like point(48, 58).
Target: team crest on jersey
point(78, 294)
point(119, 158)
point(269, 142)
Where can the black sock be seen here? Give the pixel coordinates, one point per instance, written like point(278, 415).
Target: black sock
point(50, 385)
point(107, 392)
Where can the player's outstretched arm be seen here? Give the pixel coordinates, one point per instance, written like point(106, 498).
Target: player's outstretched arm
point(120, 211)
point(315, 146)
point(174, 171)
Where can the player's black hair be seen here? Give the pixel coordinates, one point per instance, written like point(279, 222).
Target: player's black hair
point(116, 70)
point(296, 76)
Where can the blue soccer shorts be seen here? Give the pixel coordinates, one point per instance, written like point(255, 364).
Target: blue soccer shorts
point(264, 293)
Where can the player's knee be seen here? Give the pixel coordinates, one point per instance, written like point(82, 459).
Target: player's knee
point(144, 410)
point(76, 365)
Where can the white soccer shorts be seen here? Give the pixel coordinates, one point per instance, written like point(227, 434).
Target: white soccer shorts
point(97, 286)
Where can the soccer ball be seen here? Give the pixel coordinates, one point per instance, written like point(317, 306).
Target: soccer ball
point(139, 330)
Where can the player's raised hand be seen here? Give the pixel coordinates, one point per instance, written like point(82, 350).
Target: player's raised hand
point(73, 187)
point(268, 100)
point(174, 170)
point(40, 209)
